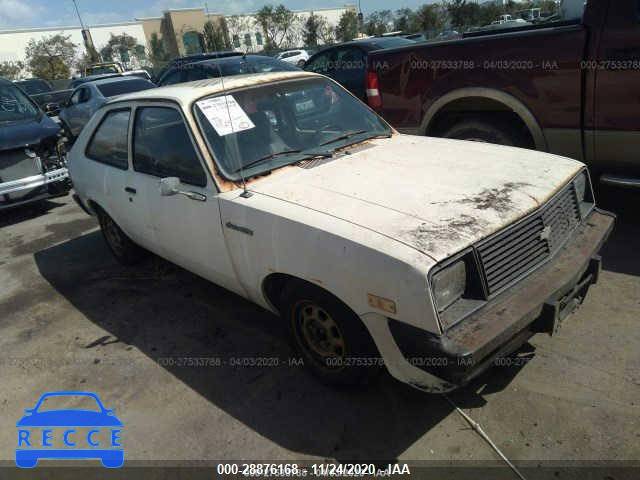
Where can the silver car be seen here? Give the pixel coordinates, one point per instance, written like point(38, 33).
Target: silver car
point(90, 96)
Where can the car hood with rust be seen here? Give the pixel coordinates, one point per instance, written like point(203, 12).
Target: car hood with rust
point(435, 195)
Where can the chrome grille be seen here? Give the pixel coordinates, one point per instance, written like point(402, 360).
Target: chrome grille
point(521, 247)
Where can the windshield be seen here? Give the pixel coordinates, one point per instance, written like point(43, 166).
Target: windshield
point(15, 105)
point(282, 123)
point(112, 89)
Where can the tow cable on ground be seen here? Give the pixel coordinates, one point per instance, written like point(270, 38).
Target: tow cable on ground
point(476, 426)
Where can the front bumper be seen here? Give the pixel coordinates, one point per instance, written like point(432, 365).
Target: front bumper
point(538, 303)
point(32, 188)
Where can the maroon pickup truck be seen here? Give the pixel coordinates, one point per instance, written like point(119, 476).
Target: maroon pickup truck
point(569, 86)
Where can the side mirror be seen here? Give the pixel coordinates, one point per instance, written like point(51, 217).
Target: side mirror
point(51, 108)
point(169, 186)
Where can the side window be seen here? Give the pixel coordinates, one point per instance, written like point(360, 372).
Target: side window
point(162, 146)
point(350, 59)
point(85, 95)
point(75, 98)
point(320, 64)
point(109, 142)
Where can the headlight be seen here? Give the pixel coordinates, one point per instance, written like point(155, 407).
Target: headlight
point(449, 284)
point(582, 186)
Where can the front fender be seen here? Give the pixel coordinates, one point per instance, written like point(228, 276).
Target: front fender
point(265, 236)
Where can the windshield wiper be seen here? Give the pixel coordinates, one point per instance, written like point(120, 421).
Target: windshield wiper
point(284, 152)
point(343, 136)
point(265, 158)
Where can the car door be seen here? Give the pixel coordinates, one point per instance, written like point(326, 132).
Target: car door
point(69, 112)
point(616, 134)
point(107, 173)
point(187, 230)
point(78, 115)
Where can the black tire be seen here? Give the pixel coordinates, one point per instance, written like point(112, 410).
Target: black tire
point(301, 63)
point(496, 131)
point(122, 247)
point(354, 358)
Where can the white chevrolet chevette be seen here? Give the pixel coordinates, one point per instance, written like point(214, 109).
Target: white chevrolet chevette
point(431, 257)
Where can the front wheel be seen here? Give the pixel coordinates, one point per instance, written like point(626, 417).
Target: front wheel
point(332, 340)
point(301, 63)
point(122, 247)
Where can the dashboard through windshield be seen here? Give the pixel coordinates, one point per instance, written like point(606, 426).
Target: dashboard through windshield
point(254, 130)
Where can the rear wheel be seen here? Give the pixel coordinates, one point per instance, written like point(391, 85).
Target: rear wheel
point(488, 131)
point(122, 247)
point(301, 63)
point(332, 340)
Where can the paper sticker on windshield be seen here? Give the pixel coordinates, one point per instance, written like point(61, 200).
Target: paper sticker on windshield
point(225, 115)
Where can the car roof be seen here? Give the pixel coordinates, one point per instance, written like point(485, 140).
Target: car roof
point(229, 59)
point(5, 82)
point(123, 78)
point(188, 92)
point(372, 43)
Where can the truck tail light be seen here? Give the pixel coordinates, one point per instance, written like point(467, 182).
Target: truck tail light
point(373, 90)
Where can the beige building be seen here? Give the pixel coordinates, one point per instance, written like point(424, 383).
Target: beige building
point(181, 29)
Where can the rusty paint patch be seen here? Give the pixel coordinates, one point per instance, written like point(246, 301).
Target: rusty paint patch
point(429, 237)
point(498, 199)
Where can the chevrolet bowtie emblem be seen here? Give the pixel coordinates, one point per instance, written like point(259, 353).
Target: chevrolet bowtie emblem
point(545, 233)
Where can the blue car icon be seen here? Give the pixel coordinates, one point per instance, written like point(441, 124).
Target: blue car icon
point(102, 419)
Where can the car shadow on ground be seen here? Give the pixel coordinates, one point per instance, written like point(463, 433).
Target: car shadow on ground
point(166, 312)
point(19, 214)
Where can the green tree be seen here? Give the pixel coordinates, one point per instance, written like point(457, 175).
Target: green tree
point(347, 28)
point(378, 22)
point(311, 32)
point(82, 62)
point(157, 52)
point(224, 31)
point(429, 18)
point(119, 47)
point(326, 31)
point(11, 70)
point(214, 36)
point(276, 23)
point(50, 57)
point(404, 20)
